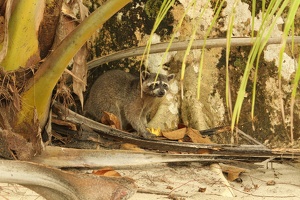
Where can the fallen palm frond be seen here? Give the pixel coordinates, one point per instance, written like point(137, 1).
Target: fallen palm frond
point(181, 46)
point(228, 46)
point(274, 11)
point(53, 183)
point(213, 152)
point(86, 158)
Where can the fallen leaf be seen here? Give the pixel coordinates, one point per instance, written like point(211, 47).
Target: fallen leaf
point(196, 137)
point(201, 189)
point(108, 171)
point(175, 135)
point(179, 126)
point(111, 120)
point(271, 182)
point(232, 171)
point(154, 131)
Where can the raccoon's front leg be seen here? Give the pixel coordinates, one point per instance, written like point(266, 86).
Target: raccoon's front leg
point(138, 122)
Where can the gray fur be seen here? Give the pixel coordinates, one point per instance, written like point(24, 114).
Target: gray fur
point(119, 93)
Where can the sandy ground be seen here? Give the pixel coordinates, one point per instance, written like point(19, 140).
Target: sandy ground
point(195, 181)
point(201, 182)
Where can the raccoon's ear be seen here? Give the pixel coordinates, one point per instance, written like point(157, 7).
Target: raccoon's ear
point(145, 75)
point(171, 76)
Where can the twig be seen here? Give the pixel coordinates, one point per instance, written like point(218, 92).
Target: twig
point(246, 136)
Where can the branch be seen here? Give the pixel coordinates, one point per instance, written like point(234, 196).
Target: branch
point(181, 46)
point(56, 184)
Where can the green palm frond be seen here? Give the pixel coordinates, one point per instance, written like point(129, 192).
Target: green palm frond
point(274, 11)
point(217, 9)
point(166, 5)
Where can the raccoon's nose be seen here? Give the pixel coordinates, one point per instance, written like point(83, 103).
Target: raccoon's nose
point(161, 93)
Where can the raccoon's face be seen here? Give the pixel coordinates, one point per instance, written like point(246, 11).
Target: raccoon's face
point(156, 87)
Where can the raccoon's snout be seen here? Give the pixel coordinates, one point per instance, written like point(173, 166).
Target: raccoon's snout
point(158, 92)
point(161, 93)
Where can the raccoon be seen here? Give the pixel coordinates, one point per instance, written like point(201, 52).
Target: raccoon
point(119, 93)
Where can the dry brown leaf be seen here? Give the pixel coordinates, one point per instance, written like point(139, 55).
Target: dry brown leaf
point(68, 22)
point(84, 11)
point(63, 92)
point(75, 8)
point(108, 171)
point(80, 73)
point(271, 182)
point(48, 27)
point(201, 189)
point(175, 135)
point(67, 10)
point(196, 137)
point(79, 70)
point(111, 120)
point(133, 147)
point(65, 26)
point(232, 171)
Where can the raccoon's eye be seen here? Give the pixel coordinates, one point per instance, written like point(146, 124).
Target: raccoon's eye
point(165, 85)
point(153, 85)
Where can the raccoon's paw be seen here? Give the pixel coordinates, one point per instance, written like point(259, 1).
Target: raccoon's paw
point(147, 135)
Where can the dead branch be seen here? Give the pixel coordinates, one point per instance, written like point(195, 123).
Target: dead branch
point(53, 183)
point(252, 153)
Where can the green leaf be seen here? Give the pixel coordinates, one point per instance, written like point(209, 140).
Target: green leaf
point(23, 29)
